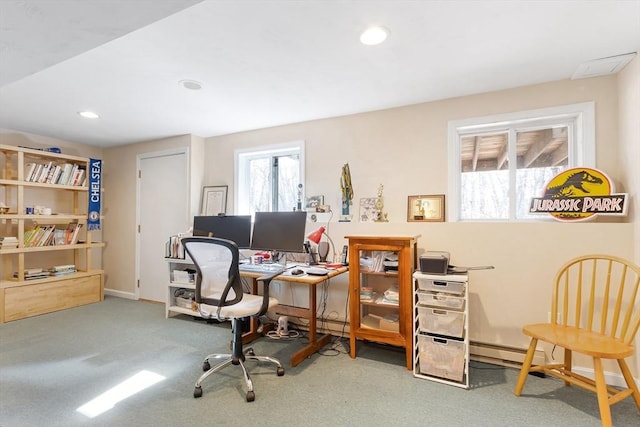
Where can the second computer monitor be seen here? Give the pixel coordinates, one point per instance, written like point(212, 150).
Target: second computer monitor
point(236, 228)
point(279, 231)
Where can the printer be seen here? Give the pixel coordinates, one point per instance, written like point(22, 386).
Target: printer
point(434, 262)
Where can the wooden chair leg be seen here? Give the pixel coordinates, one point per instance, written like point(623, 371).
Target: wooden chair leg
point(603, 395)
point(626, 373)
point(568, 363)
point(526, 365)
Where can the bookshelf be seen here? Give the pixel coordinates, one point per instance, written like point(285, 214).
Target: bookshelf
point(46, 253)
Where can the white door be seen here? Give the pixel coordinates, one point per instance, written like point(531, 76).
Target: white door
point(163, 209)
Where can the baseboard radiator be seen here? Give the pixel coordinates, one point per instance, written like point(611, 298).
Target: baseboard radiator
point(482, 352)
point(502, 355)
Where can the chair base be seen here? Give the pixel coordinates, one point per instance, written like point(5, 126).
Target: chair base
point(237, 357)
point(229, 360)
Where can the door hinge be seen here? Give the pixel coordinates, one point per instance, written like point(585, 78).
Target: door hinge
point(138, 228)
point(138, 283)
point(139, 173)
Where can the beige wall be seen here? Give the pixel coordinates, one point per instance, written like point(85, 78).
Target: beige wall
point(629, 141)
point(406, 150)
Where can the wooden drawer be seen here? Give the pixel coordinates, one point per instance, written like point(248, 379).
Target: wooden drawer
point(32, 300)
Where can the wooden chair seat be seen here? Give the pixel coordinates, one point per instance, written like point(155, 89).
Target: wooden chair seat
point(595, 311)
point(580, 340)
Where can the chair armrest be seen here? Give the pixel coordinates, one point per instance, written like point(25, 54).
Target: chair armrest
point(266, 281)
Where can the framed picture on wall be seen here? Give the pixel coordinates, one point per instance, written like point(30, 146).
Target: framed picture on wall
point(426, 208)
point(214, 200)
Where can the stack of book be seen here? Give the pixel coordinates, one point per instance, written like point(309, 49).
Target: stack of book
point(49, 235)
point(61, 270)
point(61, 174)
point(33, 273)
point(8, 242)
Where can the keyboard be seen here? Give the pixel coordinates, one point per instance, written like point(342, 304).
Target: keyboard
point(261, 268)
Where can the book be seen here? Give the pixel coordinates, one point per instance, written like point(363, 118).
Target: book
point(66, 173)
point(45, 172)
point(29, 171)
point(76, 232)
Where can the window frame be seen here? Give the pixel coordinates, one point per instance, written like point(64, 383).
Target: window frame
point(582, 148)
point(242, 156)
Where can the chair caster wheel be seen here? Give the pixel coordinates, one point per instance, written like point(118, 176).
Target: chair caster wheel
point(197, 392)
point(251, 353)
point(206, 366)
point(280, 372)
point(251, 396)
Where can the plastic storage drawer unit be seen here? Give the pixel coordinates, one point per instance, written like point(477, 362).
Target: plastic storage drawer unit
point(441, 322)
point(449, 286)
point(441, 357)
point(440, 299)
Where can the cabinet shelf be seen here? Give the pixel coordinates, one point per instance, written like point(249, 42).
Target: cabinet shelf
point(43, 185)
point(52, 248)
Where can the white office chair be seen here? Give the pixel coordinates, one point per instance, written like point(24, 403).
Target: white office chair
point(219, 295)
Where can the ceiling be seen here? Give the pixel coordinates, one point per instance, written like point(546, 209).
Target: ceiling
point(274, 62)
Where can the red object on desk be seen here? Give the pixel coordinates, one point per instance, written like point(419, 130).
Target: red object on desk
point(333, 265)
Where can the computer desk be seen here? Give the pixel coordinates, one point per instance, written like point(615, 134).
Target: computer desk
point(315, 342)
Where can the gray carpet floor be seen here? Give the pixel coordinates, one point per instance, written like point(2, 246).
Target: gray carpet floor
point(53, 364)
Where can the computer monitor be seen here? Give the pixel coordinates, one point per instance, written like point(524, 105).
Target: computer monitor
point(236, 228)
point(279, 231)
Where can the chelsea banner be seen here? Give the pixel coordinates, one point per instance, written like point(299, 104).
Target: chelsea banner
point(95, 185)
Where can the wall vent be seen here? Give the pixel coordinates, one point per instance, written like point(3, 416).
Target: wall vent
point(602, 66)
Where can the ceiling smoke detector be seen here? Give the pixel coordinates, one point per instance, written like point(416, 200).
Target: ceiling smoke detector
point(191, 84)
point(602, 66)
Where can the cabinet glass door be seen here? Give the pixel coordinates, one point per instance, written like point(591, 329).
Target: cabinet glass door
point(379, 293)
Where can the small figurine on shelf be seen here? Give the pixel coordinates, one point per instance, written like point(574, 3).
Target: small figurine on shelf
point(382, 216)
point(347, 193)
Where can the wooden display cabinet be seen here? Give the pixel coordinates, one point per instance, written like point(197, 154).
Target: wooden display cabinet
point(24, 290)
point(381, 291)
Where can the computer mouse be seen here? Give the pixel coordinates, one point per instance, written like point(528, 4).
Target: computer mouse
point(297, 272)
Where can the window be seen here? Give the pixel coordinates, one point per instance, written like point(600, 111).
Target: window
point(268, 179)
point(497, 164)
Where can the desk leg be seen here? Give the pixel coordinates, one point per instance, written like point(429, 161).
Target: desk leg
point(315, 343)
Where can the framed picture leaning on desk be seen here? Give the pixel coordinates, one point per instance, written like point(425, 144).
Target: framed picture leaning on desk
point(214, 200)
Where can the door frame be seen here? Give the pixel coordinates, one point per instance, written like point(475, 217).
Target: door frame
point(139, 159)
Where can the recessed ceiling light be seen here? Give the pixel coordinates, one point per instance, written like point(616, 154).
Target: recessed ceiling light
point(191, 84)
point(88, 114)
point(374, 35)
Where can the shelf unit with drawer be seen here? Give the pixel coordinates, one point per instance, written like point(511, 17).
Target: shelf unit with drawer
point(441, 328)
point(29, 285)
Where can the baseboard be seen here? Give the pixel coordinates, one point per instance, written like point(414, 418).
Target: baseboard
point(120, 294)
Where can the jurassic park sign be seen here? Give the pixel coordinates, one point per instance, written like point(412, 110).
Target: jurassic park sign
point(579, 194)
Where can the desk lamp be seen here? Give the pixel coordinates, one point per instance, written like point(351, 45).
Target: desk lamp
point(323, 247)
